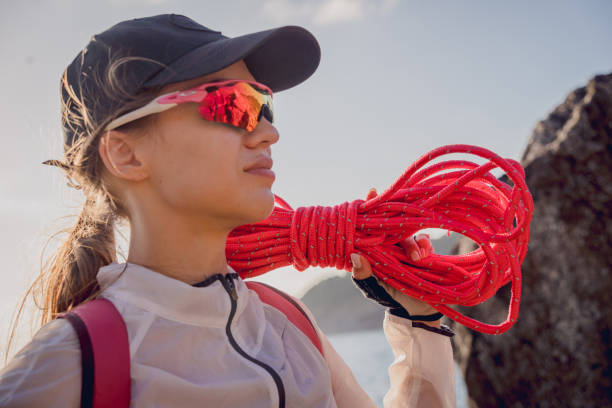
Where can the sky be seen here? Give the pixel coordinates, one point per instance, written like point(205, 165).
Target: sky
point(396, 80)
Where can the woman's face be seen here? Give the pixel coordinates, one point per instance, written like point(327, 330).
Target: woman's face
point(197, 167)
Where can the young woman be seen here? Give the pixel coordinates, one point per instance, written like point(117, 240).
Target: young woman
point(184, 170)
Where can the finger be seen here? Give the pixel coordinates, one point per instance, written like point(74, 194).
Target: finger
point(424, 243)
point(361, 267)
point(371, 194)
point(411, 248)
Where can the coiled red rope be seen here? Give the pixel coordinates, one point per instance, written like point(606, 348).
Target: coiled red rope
point(456, 195)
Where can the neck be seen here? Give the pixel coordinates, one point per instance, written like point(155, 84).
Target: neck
point(178, 250)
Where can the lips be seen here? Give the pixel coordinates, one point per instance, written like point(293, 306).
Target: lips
point(262, 168)
point(262, 163)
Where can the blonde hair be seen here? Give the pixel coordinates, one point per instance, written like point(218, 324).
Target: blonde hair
point(68, 277)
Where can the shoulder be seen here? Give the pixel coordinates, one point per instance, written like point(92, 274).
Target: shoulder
point(46, 371)
point(56, 335)
point(271, 295)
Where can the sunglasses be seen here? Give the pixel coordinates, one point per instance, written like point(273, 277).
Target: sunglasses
point(238, 103)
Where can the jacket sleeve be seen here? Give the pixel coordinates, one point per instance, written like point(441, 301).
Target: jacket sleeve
point(423, 372)
point(421, 375)
point(347, 391)
point(46, 372)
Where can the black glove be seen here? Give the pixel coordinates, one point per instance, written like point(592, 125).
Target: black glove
point(372, 290)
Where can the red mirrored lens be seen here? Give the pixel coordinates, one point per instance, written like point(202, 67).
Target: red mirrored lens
point(239, 105)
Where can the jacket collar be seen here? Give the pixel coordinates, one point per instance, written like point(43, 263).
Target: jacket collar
point(207, 304)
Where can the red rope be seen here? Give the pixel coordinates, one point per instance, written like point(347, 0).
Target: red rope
point(467, 199)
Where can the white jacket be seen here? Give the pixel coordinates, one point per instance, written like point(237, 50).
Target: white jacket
point(181, 355)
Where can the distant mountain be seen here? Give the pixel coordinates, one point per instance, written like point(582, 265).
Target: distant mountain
point(444, 245)
point(340, 307)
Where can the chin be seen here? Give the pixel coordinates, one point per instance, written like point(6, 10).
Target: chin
point(260, 209)
point(266, 210)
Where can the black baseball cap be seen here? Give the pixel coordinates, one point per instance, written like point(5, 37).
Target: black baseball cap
point(176, 48)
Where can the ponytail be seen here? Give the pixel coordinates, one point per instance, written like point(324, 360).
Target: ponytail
point(68, 277)
point(70, 274)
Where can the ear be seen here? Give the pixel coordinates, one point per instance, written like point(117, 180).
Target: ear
point(122, 157)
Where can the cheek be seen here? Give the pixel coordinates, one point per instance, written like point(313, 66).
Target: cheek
point(198, 171)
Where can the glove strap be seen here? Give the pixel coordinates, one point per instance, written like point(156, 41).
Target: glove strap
point(401, 312)
point(443, 330)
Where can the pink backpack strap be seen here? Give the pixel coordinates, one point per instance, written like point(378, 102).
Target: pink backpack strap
point(105, 354)
point(289, 307)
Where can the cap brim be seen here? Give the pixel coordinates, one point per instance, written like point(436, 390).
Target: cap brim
point(279, 58)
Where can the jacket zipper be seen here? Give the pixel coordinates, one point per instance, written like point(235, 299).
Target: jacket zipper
point(230, 288)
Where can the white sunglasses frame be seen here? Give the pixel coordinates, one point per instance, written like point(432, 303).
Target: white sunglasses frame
point(163, 102)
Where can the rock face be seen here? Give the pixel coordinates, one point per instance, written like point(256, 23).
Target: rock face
point(559, 353)
point(339, 307)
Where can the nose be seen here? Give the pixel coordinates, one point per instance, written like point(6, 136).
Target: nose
point(264, 133)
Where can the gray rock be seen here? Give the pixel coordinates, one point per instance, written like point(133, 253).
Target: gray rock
point(559, 353)
point(339, 307)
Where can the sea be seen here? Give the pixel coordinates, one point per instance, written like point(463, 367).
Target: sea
point(369, 356)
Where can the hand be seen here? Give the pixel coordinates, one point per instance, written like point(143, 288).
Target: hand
point(415, 247)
